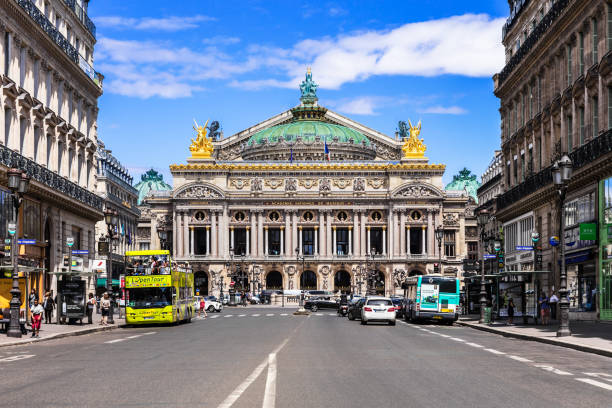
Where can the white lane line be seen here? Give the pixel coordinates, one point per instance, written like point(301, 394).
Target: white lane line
point(270, 314)
point(456, 339)
point(255, 315)
point(134, 336)
point(474, 345)
point(332, 314)
point(115, 341)
point(601, 376)
point(521, 359)
point(552, 369)
point(284, 314)
point(228, 315)
point(213, 317)
point(242, 315)
point(596, 383)
point(16, 357)
point(443, 335)
point(270, 392)
point(242, 387)
point(148, 333)
point(318, 314)
point(494, 351)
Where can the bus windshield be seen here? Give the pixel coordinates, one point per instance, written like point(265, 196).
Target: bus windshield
point(446, 285)
point(142, 298)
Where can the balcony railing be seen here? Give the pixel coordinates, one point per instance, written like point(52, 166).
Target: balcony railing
point(82, 15)
point(535, 36)
point(12, 159)
point(43, 22)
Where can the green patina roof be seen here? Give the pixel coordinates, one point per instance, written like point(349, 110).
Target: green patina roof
point(308, 130)
point(465, 180)
point(150, 181)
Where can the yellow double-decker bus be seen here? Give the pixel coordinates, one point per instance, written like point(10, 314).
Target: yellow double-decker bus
point(157, 289)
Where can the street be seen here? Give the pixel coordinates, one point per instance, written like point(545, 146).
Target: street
point(252, 357)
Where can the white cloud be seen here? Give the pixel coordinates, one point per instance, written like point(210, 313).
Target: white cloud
point(221, 40)
point(172, 23)
point(450, 110)
point(359, 106)
point(336, 11)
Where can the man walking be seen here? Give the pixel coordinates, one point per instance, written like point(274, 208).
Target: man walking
point(48, 306)
point(553, 300)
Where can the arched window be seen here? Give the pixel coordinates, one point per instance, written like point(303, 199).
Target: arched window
point(308, 280)
point(274, 281)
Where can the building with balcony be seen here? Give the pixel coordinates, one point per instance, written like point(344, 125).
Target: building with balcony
point(48, 129)
point(306, 200)
point(114, 185)
point(556, 97)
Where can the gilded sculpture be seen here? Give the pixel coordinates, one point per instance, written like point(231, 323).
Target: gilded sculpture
point(413, 147)
point(201, 147)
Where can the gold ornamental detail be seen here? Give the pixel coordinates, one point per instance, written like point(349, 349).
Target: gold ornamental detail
point(201, 147)
point(413, 147)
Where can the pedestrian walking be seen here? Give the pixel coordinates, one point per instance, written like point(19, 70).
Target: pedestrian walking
point(48, 306)
point(554, 301)
point(543, 301)
point(510, 311)
point(105, 306)
point(243, 298)
point(91, 303)
point(32, 297)
point(37, 315)
point(202, 308)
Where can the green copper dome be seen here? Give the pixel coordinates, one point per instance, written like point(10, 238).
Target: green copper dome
point(308, 130)
point(150, 181)
point(464, 181)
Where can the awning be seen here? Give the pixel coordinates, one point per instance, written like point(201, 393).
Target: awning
point(102, 282)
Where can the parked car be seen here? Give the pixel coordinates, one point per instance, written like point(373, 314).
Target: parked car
point(212, 304)
point(355, 306)
point(315, 303)
point(378, 309)
point(255, 300)
point(398, 302)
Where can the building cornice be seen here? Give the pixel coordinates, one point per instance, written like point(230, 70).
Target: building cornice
point(305, 166)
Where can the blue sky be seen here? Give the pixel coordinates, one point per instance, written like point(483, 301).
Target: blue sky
point(239, 62)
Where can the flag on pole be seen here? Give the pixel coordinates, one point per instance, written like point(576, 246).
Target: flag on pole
point(327, 157)
point(291, 155)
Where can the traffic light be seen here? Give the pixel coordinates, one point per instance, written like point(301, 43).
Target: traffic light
point(436, 268)
point(500, 260)
point(66, 261)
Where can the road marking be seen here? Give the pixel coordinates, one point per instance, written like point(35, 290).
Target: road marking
point(148, 333)
point(443, 335)
point(270, 314)
point(134, 336)
point(284, 314)
point(332, 314)
point(115, 341)
point(228, 315)
point(595, 383)
point(213, 317)
point(318, 314)
point(255, 315)
point(457, 339)
point(242, 315)
point(270, 391)
point(521, 359)
point(494, 351)
point(16, 358)
point(601, 376)
point(552, 369)
point(474, 345)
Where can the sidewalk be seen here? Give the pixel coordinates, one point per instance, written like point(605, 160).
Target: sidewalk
point(590, 337)
point(56, 331)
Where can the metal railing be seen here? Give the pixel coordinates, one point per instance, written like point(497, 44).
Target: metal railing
point(82, 16)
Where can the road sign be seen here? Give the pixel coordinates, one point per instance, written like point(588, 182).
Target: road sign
point(524, 248)
point(80, 252)
point(70, 241)
point(12, 228)
point(7, 241)
point(26, 241)
point(490, 256)
point(554, 240)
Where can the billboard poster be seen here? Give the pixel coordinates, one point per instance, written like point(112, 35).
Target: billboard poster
point(429, 296)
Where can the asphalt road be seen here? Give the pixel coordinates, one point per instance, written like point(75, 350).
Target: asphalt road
point(261, 357)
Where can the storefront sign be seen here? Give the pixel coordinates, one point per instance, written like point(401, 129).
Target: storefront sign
point(588, 232)
point(147, 281)
point(524, 248)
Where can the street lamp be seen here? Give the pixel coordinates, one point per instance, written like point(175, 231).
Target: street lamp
point(163, 236)
point(232, 275)
point(562, 173)
point(18, 183)
point(439, 235)
point(110, 218)
point(371, 273)
point(483, 219)
point(299, 256)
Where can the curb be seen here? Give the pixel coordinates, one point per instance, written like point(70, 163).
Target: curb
point(60, 335)
point(579, 347)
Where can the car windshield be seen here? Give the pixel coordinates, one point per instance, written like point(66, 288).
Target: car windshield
point(142, 298)
point(397, 301)
point(379, 302)
point(211, 298)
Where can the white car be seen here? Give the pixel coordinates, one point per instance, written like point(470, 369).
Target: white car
point(378, 309)
point(212, 304)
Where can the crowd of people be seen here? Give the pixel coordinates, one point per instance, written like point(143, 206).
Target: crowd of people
point(152, 266)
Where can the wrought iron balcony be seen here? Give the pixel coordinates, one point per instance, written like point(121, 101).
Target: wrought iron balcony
point(82, 15)
point(539, 31)
point(12, 159)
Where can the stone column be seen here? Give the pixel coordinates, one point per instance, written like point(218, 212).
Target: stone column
point(248, 241)
point(287, 241)
point(402, 230)
point(384, 237)
point(368, 240)
point(423, 240)
point(363, 240)
point(191, 241)
point(185, 233)
point(208, 240)
point(265, 232)
point(430, 234)
point(282, 240)
point(334, 238)
point(294, 234)
point(323, 251)
point(355, 234)
point(213, 233)
point(350, 241)
point(391, 223)
point(328, 233)
point(232, 238)
point(301, 239)
point(408, 239)
point(260, 237)
point(179, 233)
point(253, 235)
point(174, 233)
point(224, 233)
point(316, 241)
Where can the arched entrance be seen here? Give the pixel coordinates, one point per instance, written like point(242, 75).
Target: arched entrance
point(308, 280)
point(200, 283)
point(415, 272)
point(274, 280)
point(342, 282)
point(379, 284)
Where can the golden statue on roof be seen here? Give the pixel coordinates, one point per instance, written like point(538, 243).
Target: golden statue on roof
point(201, 147)
point(413, 147)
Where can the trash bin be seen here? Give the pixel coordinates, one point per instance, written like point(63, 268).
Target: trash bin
point(487, 315)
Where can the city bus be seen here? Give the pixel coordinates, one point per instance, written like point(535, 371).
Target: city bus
point(432, 297)
point(157, 289)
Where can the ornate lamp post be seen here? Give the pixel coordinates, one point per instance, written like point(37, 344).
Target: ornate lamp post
point(371, 273)
point(163, 237)
point(439, 235)
point(483, 219)
point(360, 276)
point(110, 218)
point(232, 274)
point(562, 173)
point(300, 257)
point(18, 183)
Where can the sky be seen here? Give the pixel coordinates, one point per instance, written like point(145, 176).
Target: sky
point(240, 62)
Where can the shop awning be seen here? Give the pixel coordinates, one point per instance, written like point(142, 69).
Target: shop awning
point(102, 282)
